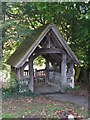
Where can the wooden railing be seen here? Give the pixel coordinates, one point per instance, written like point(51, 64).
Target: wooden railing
point(26, 73)
point(39, 75)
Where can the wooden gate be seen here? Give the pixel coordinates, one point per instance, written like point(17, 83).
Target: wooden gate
point(39, 76)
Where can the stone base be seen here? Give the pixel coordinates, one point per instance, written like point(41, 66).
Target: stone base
point(54, 85)
point(31, 87)
point(64, 88)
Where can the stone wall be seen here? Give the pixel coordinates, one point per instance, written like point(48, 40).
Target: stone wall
point(55, 78)
point(70, 80)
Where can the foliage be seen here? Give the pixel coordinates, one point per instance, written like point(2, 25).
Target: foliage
point(64, 88)
point(8, 92)
point(39, 61)
point(16, 87)
point(77, 87)
point(12, 92)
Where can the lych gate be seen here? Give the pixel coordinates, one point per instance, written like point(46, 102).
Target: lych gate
point(48, 42)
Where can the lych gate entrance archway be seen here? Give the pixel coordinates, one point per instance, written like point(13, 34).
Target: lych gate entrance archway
point(48, 42)
point(41, 83)
point(39, 72)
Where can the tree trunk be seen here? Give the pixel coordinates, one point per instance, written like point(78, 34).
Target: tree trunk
point(77, 73)
point(81, 75)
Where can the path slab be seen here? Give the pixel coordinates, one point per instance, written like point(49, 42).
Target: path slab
point(55, 94)
point(46, 89)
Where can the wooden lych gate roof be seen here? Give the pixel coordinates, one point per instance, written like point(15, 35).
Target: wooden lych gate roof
point(27, 48)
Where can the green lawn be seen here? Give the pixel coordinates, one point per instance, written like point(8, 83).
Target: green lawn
point(37, 106)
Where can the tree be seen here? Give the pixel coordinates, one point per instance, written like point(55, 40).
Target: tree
point(71, 19)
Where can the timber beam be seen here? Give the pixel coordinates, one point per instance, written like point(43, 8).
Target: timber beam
point(49, 50)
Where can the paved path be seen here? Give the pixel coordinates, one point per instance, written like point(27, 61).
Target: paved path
point(55, 94)
point(78, 100)
point(45, 89)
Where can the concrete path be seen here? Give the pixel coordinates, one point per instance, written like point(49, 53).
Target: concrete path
point(78, 100)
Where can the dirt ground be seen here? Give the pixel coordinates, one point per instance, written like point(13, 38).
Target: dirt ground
point(82, 91)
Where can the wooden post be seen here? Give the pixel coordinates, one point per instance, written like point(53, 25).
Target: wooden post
point(21, 72)
point(60, 67)
point(18, 73)
point(47, 71)
point(63, 72)
point(12, 69)
point(71, 68)
point(54, 67)
point(31, 85)
point(35, 74)
point(29, 66)
point(72, 75)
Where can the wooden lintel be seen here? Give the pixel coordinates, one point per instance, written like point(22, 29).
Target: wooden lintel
point(54, 57)
point(63, 69)
point(47, 70)
point(31, 84)
point(49, 50)
point(48, 37)
point(26, 63)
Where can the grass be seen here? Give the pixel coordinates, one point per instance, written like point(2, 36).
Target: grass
point(36, 106)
